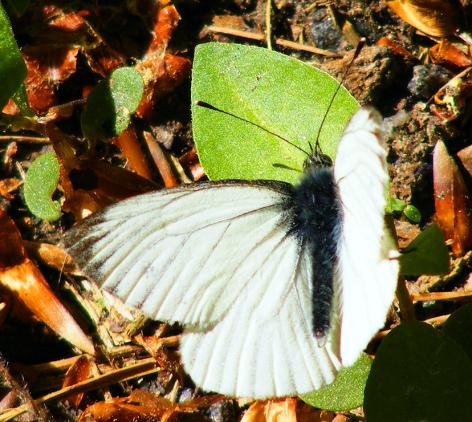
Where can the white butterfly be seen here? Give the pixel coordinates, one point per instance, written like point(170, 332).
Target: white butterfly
point(277, 286)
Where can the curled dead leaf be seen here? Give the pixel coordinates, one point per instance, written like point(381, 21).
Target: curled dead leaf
point(437, 18)
point(451, 99)
point(452, 200)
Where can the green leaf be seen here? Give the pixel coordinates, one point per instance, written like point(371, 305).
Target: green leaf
point(459, 327)
point(419, 374)
point(412, 213)
point(394, 205)
point(40, 183)
point(426, 254)
point(283, 95)
point(111, 103)
point(347, 390)
point(12, 65)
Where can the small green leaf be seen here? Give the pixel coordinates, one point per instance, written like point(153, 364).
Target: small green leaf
point(12, 65)
point(426, 254)
point(412, 213)
point(281, 94)
point(111, 103)
point(459, 327)
point(394, 205)
point(347, 390)
point(419, 375)
point(40, 183)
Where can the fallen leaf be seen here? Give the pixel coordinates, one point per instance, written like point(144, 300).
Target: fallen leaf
point(47, 67)
point(437, 18)
point(449, 54)
point(129, 145)
point(285, 410)
point(7, 186)
point(452, 200)
point(20, 276)
point(80, 370)
point(144, 406)
point(465, 155)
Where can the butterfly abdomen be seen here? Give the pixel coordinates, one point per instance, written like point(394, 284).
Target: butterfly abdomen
point(315, 219)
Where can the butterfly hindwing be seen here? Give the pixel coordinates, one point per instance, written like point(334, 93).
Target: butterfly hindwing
point(367, 257)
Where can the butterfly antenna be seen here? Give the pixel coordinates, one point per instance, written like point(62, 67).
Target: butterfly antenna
point(317, 150)
point(209, 106)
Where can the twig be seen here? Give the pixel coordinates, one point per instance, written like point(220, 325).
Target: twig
point(21, 138)
point(424, 297)
point(145, 367)
point(268, 25)
point(279, 41)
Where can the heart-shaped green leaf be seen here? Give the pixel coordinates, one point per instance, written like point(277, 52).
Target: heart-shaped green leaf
point(280, 94)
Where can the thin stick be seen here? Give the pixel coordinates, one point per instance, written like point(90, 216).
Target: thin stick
point(424, 297)
point(268, 25)
point(21, 138)
point(279, 41)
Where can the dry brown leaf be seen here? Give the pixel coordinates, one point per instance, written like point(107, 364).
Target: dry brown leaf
point(7, 186)
point(449, 54)
point(144, 406)
point(190, 161)
point(161, 72)
point(437, 18)
point(465, 155)
point(395, 47)
point(20, 276)
point(451, 199)
point(46, 68)
point(289, 409)
point(51, 255)
point(80, 370)
point(129, 145)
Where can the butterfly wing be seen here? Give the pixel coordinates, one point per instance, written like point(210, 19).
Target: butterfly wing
point(217, 258)
point(368, 263)
point(181, 255)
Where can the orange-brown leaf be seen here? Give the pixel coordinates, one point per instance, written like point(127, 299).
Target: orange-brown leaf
point(129, 145)
point(143, 406)
point(166, 21)
point(465, 155)
point(46, 68)
point(437, 18)
point(20, 276)
point(452, 201)
point(449, 54)
point(285, 410)
point(80, 370)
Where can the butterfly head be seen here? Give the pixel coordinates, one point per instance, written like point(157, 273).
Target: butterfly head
point(317, 160)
